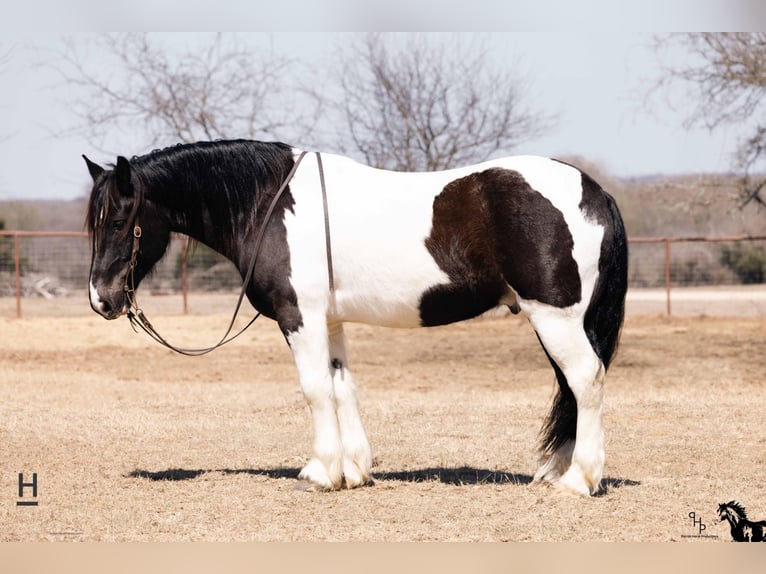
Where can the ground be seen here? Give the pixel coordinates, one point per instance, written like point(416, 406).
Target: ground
point(131, 442)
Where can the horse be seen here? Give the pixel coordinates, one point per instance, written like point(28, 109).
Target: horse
point(345, 242)
point(742, 529)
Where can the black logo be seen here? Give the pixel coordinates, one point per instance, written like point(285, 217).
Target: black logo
point(25, 485)
point(700, 526)
point(742, 529)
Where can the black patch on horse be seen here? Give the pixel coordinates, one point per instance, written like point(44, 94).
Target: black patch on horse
point(462, 244)
point(489, 228)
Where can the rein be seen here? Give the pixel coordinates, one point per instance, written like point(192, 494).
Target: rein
point(136, 315)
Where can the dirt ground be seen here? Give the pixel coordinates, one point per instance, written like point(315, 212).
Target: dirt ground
point(133, 443)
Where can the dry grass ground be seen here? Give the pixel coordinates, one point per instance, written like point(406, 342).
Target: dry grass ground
point(131, 442)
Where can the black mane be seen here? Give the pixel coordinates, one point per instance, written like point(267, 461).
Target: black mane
point(736, 507)
point(218, 182)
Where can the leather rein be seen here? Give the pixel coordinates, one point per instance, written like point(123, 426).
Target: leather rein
point(136, 315)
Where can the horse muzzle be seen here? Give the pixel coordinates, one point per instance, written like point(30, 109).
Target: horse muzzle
point(109, 307)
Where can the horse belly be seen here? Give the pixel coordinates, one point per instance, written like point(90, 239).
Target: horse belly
point(391, 274)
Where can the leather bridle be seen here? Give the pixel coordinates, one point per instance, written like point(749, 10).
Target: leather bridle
point(136, 315)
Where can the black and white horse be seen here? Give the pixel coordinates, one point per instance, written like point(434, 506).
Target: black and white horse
point(742, 529)
point(400, 250)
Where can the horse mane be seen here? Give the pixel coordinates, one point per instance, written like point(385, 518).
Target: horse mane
point(98, 200)
point(232, 175)
point(736, 507)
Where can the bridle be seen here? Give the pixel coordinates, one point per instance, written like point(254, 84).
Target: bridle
point(136, 315)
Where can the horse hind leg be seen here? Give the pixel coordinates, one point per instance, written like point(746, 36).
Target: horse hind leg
point(572, 449)
point(557, 436)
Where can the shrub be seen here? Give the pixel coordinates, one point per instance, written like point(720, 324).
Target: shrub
point(747, 262)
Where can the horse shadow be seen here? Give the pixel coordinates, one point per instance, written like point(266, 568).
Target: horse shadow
point(459, 476)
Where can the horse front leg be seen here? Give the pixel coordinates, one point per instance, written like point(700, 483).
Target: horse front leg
point(310, 347)
point(357, 456)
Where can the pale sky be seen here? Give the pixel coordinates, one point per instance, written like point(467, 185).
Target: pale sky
point(593, 77)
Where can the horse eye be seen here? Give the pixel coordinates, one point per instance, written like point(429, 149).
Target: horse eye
point(118, 224)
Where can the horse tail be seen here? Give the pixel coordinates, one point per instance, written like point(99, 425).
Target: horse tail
point(560, 425)
point(606, 311)
point(602, 322)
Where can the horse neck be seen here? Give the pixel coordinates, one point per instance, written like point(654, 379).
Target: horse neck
point(201, 223)
point(206, 217)
point(211, 191)
point(733, 518)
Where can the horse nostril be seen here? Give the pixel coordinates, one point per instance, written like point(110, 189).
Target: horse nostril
point(106, 307)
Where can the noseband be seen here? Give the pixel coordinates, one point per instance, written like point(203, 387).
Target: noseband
point(137, 317)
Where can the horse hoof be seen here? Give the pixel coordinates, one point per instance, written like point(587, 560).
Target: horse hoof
point(354, 476)
point(575, 483)
point(358, 484)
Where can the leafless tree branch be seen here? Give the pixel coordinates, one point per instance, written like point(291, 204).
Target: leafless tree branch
point(430, 106)
point(725, 77)
point(220, 90)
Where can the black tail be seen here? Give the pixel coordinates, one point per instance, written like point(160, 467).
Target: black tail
point(603, 318)
point(606, 311)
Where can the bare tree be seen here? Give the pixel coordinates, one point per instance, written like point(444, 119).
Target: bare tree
point(429, 106)
point(725, 77)
point(218, 90)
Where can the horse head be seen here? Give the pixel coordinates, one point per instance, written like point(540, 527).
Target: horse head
point(129, 234)
point(732, 511)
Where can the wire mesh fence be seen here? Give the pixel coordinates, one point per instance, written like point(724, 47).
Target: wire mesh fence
point(53, 266)
point(696, 261)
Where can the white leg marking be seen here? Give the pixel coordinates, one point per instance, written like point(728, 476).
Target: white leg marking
point(357, 456)
point(310, 350)
point(584, 474)
point(566, 342)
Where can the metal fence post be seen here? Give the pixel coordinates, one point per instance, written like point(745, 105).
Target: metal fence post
point(17, 265)
point(667, 274)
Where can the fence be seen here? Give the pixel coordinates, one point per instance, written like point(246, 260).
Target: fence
point(696, 261)
point(54, 265)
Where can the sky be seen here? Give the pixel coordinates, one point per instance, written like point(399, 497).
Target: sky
point(595, 79)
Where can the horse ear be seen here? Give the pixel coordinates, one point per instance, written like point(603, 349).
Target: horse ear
point(93, 168)
point(122, 173)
